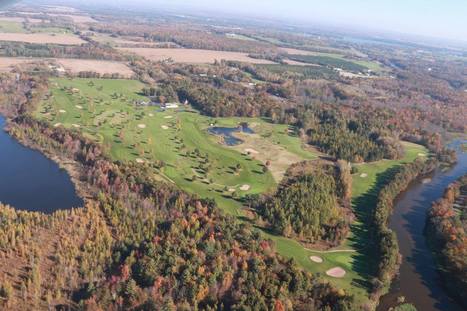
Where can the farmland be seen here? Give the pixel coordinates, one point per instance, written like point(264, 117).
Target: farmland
point(195, 56)
point(100, 66)
point(70, 65)
point(41, 38)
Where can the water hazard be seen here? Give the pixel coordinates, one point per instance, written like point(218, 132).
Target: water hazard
point(227, 133)
point(30, 181)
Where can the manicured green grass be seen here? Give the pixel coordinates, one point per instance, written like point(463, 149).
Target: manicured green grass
point(105, 112)
point(352, 255)
point(11, 27)
point(358, 263)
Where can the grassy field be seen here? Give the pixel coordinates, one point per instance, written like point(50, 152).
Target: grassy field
point(104, 111)
point(335, 59)
point(11, 27)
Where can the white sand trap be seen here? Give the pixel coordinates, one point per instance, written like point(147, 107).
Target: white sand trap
point(316, 259)
point(168, 117)
point(164, 127)
point(79, 106)
point(231, 189)
point(76, 125)
point(142, 126)
point(245, 187)
point(252, 151)
point(422, 155)
point(426, 180)
point(138, 160)
point(57, 124)
point(62, 111)
point(336, 272)
point(151, 115)
point(363, 175)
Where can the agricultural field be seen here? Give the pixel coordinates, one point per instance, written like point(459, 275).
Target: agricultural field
point(198, 162)
point(42, 38)
point(193, 55)
point(14, 29)
point(303, 57)
point(78, 19)
point(100, 66)
point(11, 26)
point(8, 63)
point(195, 160)
point(71, 65)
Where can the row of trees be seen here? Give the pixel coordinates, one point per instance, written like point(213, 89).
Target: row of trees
point(447, 233)
point(84, 51)
point(387, 248)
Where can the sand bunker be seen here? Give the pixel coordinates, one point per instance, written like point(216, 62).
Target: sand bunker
point(76, 125)
point(138, 160)
point(252, 151)
point(62, 111)
point(231, 189)
point(151, 115)
point(316, 259)
point(363, 175)
point(142, 126)
point(336, 272)
point(164, 127)
point(79, 107)
point(168, 117)
point(422, 155)
point(245, 187)
point(57, 124)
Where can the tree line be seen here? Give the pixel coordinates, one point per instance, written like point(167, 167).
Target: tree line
point(387, 248)
point(446, 231)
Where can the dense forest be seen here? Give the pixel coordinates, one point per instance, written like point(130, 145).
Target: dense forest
point(198, 258)
point(447, 232)
point(312, 203)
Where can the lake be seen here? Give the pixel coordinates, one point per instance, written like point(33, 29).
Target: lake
point(30, 181)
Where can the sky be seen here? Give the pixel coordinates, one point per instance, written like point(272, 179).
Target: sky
point(435, 18)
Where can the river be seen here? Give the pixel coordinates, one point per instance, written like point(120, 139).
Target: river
point(419, 281)
point(30, 181)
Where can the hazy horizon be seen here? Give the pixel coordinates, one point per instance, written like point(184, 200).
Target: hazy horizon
point(432, 18)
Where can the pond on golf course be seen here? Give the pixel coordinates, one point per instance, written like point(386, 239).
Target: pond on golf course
point(227, 133)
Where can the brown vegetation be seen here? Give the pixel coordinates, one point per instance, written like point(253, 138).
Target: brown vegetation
point(193, 56)
point(41, 38)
